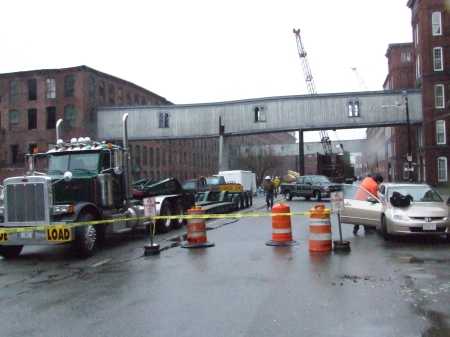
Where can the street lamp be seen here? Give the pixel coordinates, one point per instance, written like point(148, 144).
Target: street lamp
point(408, 130)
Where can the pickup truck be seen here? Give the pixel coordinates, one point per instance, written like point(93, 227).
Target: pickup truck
point(313, 186)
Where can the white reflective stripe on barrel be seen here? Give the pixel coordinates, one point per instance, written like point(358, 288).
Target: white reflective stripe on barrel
point(320, 237)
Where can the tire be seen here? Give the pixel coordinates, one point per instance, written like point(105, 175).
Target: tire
point(318, 195)
point(241, 201)
point(250, 200)
point(308, 198)
point(236, 202)
point(164, 225)
point(288, 195)
point(384, 231)
point(247, 203)
point(9, 252)
point(86, 241)
point(178, 210)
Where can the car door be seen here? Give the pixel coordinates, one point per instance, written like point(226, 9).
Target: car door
point(358, 210)
point(298, 186)
point(306, 187)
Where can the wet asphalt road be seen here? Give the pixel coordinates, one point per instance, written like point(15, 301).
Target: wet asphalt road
point(239, 287)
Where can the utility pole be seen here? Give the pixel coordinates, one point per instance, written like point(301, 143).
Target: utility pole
point(408, 126)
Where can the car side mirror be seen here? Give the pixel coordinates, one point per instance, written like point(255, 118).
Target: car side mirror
point(373, 200)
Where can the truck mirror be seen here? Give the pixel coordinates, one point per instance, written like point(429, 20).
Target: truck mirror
point(29, 164)
point(67, 176)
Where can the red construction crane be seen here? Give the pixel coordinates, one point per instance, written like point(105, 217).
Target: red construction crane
point(360, 80)
point(324, 139)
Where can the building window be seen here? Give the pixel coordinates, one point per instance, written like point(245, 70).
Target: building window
point(50, 88)
point(406, 171)
point(14, 120)
point(128, 98)
point(120, 97)
point(32, 119)
point(136, 99)
point(406, 57)
point(144, 156)
point(69, 86)
point(439, 96)
point(418, 73)
point(14, 154)
point(436, 22)
point(437, 57)
point(163, 120)
point(143, 101)
point(13, 92)
point(91, 86)
point(416, 34)
point(101, 92)
point(150, 155)
point(137, 154)
point(32, 89)
point(260, 113)
point(440, 132)
point(51, 117)
point(31, 148)
point(354, 108)
point(111, 95)
point(69, 114)
point(442, 169)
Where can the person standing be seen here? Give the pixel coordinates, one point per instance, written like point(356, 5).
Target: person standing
point(277, 185)
point(269, 190)
point(371, 185)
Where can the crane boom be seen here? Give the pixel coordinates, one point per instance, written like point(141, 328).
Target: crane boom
point(324, 139)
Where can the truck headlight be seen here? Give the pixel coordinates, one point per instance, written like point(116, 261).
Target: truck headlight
point(61, 209)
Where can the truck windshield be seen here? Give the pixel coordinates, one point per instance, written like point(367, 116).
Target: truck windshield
point(79, 161)
point(320, 179)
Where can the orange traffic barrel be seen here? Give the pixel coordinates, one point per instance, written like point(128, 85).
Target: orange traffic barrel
point(196, 232)
point(281, 227)
point(319, 229)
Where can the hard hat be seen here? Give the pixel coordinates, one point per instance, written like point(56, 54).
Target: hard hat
point(268, 177)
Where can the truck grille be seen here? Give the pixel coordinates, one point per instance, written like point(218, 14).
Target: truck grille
point(25, 202)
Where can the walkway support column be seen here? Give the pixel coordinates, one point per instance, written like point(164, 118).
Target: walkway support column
point(301, 153)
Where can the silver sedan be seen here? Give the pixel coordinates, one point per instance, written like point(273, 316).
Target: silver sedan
point(425, 213)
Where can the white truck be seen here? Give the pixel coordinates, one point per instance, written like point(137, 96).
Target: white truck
point(246, 178)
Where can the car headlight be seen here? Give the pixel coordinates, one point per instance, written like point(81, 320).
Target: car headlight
point(399, 215)
point(326, 188)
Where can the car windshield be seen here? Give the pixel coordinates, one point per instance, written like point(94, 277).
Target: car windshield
point(320, 179)
point(418, 193)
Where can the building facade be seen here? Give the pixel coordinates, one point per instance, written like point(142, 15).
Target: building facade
point(31, 103)
point(431, 42)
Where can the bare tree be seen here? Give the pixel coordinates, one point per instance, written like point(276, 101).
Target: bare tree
point(259, 160)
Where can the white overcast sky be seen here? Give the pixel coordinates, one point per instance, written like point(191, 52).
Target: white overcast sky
point(198, 51)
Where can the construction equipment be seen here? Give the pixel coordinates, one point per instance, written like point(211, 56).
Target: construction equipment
point(85, 194)
point(324, 138)
point(360, 80)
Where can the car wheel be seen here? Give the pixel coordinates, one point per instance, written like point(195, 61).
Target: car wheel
point(318, 195)
point(164, 225)
point(384, 231)
point(288, 195)
point(178, 210)
point(10, 251)
point(86, 241)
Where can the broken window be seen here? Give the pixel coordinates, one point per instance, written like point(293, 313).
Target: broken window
point(69, 86)
point(51, 117)
point(32, 119)
point(32, 89)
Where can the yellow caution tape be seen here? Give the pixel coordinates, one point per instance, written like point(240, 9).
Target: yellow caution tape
point(153, 218)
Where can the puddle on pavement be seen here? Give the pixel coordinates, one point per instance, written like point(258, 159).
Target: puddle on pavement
point(413, 259)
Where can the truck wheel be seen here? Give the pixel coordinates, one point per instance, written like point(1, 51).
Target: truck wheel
point(318, 195)
point(236, 201)
point(85, 242)
point(307, 198)
point(10, 251)
point(178, 210)
point(250, 200)
point(247, 202)
point(164, 225)
point(241, 201)
point(288, 195)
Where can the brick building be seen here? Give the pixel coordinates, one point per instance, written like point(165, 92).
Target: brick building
point(422, 64)
point(31, 102)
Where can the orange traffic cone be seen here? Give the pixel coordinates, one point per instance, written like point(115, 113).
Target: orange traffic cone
point(281, 227)
point(319, 229)
point(196, 233)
